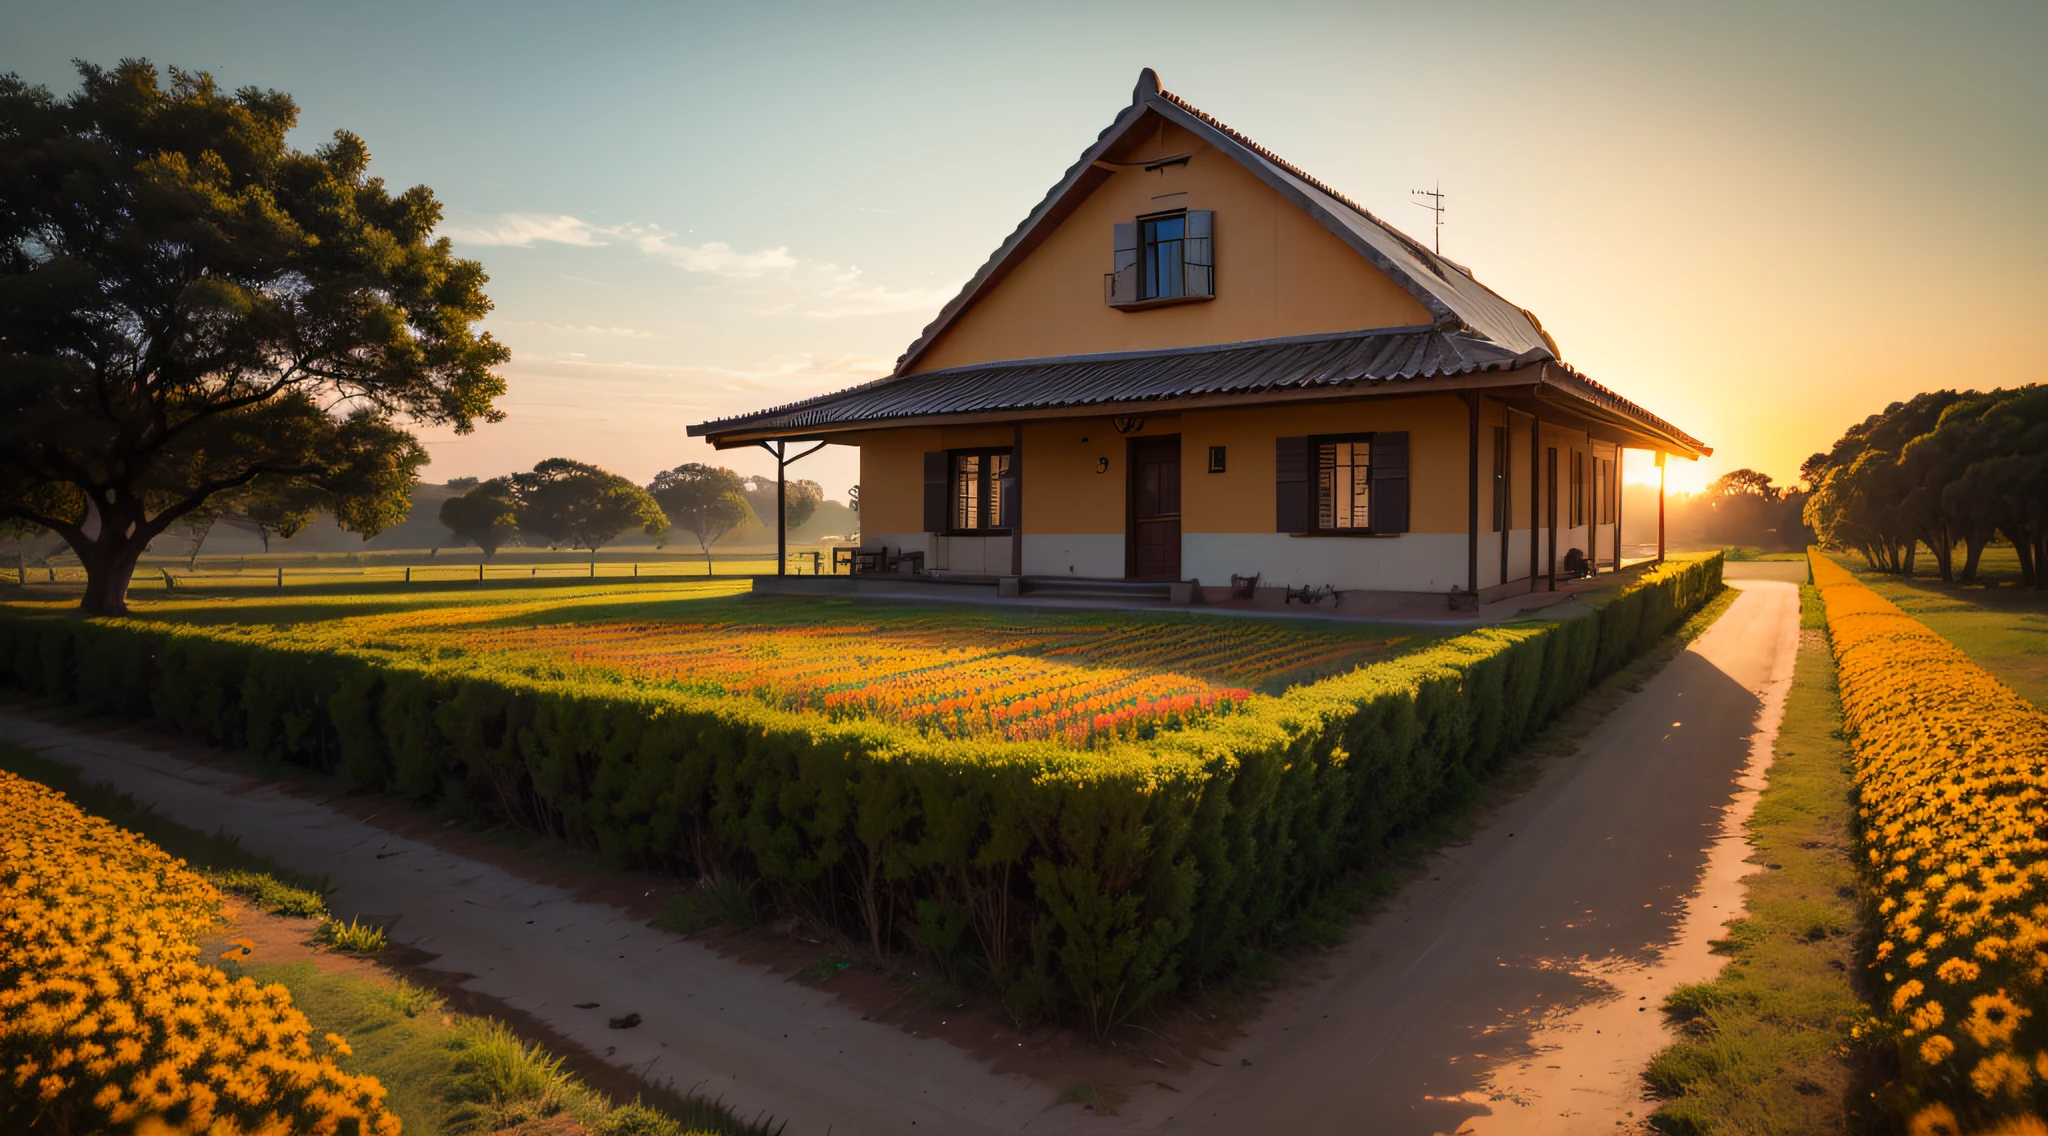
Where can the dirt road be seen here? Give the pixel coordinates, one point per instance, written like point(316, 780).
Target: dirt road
point(1516, 989)
point(709, 1024)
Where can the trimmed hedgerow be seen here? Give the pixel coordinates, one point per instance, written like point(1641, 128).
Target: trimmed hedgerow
point(1091, 880)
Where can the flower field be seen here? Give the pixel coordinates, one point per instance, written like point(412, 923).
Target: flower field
point(910, 769)
point(108, 1019)
point(1074, 679)
point(1950, 772)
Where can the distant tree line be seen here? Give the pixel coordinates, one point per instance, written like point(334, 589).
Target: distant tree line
point(1945, 469)
point(1743, 508)
point(569, 504)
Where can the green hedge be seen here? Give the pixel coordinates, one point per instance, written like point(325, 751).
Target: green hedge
point(1086, 880)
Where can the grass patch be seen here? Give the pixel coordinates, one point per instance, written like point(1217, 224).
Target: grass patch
point(453, 1075)
point(726, 900)
point(2000, 625)
point(1763, 1047)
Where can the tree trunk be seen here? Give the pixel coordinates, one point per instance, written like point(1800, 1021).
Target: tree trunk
point(1973, 551)
point(2023, 548)
point(109, 567)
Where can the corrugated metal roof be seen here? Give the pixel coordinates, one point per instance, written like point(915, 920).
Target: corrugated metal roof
point(1140, 376)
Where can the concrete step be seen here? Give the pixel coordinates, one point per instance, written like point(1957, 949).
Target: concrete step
point(1067, 586)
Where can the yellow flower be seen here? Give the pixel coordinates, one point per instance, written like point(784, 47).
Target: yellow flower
point(1935, 1120)
point(2001, 1074)
point(1993, 1018)
point(1936, 1049)
point(1958, 970)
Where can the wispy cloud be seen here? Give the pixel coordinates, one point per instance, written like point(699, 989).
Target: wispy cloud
point(774, 279)
point(524, 230)
point(589, 329)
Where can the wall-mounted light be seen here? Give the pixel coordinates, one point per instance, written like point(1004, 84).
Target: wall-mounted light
point(1215, 459)
point(1127, 425)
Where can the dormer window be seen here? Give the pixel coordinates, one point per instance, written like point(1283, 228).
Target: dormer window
point(1165, 258)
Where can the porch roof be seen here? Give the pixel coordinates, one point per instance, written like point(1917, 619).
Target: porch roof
point(1382, 361)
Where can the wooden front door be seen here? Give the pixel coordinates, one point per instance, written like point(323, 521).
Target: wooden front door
point(1153, 539)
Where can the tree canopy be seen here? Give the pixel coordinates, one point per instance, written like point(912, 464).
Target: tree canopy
point(705, 501)
point(579, 505)
point(1942, 469)
point(802, 499)
point(486, 516)
point(189, 306)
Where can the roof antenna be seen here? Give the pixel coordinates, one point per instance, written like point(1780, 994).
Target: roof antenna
point(1435, 205)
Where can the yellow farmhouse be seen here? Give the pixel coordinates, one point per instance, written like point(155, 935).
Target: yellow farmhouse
point(1193, 362)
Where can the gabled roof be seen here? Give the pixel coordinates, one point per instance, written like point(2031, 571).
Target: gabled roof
point(1456, 300)
point(1375, 361)
point(1477, 338)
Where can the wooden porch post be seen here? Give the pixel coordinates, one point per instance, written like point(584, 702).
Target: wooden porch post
point(1660, 507)
point(1620, 452)
point(1506, 505)
point(1535, 490)
point(1550, 520)
point(1472, 493)
point(781, 509)
point(1017, 490)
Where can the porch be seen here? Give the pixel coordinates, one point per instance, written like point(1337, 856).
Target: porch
point(1500, 604)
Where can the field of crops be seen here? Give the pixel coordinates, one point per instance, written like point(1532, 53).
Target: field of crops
point(1948, 773)
point(108, 1017)
point(946, 671)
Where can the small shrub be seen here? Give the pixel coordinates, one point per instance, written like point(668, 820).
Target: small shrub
point(1675, 1068)
point(636, 1119)
point(355, 936)
point(503, 1076)
point(413, 1000)
point(270, 895)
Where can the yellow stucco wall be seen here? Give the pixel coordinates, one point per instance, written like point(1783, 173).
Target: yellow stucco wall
point(1074, 468)
point(1278, 272)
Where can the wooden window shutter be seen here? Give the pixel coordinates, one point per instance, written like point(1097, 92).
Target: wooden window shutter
point(1007, 484)
point(1388, 510)
point(1121, 285)
point(935, 469)
point(1198, 253)
point(1293, 487)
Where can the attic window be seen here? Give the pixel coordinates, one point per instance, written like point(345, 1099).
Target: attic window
point(1164, 258)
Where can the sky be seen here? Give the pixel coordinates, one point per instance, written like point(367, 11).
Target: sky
point(1762, 221)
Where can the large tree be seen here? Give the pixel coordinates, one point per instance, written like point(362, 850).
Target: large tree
point(705, 501)
point(191, 307)
point(569, 503)
point(802, 498)
point(487, 516)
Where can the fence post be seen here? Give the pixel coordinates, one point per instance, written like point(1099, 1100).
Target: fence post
point(636, 571)
point(408, 573)
point(593, 568)
point(479, 573)
point(280, 578)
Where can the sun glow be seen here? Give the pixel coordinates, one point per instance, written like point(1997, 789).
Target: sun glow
point(1639, 467)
